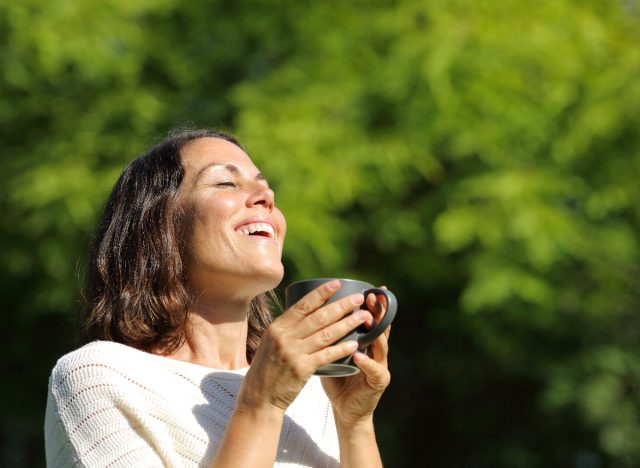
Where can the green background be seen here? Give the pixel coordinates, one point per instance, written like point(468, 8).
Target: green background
point(479, 157)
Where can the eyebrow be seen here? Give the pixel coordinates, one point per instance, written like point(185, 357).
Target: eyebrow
point(230, 167)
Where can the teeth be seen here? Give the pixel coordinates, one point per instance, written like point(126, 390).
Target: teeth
point(248, 229)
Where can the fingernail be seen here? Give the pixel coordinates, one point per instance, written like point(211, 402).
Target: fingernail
point(333, 285)
point(352, 345)
point(357, 299)
point(361, 315)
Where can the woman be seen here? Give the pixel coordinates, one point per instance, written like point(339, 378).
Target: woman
point(182, 365)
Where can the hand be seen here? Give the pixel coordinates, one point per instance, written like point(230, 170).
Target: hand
point(297, 343)
point(355, 398)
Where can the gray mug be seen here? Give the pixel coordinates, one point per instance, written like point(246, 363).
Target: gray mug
point(364, 336)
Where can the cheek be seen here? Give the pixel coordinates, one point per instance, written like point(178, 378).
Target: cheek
point(210, 224)
point(227, 205)
point(219, 210)
point(281, 223)
point(215, 212)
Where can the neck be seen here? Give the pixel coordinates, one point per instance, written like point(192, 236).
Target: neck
point(216, 334)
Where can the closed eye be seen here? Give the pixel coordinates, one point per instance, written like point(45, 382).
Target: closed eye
point(225, 184)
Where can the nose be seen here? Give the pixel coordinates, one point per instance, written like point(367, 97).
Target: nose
point(261, 195)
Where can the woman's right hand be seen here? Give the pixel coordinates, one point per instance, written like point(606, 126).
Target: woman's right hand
point(296, 344)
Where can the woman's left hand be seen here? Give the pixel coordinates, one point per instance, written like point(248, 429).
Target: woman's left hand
point(355, 398)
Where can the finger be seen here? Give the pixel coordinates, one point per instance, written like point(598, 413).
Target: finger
point(379, 349)
point(334, 332)
point(377, 304)
point(313, 300)
point(372, 305)
point(384, 303)
point(376, 374)
point(329, 314)
point(333, 353)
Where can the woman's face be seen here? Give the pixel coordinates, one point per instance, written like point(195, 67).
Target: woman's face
point(235, 234)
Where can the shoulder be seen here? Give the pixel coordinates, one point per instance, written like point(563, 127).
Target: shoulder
point(99, 368)
point(97, 351)
point(92, 360)
point(101, 406)
point(83, 388)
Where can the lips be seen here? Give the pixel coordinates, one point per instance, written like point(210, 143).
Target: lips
point(260, 228)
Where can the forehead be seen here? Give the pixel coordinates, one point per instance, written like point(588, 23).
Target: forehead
point(202, 152)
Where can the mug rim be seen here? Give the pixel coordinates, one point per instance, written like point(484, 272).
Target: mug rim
point(326, 280)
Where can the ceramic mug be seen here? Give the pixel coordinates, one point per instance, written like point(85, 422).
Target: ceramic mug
point(364, 336)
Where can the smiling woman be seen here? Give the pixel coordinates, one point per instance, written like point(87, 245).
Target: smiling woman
point(183, 365)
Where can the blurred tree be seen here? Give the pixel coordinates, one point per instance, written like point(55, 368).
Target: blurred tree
point(478, 157)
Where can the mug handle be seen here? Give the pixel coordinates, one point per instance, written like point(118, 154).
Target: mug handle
point(368, 337)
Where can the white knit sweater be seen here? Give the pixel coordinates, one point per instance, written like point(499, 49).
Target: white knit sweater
point(112, 405)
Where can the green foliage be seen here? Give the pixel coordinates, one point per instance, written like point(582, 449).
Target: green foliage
point(490, 139)
point(480, 158)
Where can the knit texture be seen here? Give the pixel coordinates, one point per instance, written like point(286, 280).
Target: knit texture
point(116, 406)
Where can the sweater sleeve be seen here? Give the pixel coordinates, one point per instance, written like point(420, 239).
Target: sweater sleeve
point(97, 417)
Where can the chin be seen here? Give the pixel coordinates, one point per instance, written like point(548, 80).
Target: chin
point(260, 278)
point(273, 276)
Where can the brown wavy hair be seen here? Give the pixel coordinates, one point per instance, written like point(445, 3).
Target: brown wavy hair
point(135, 291)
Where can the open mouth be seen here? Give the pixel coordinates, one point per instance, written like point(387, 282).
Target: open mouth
point(257, 229)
